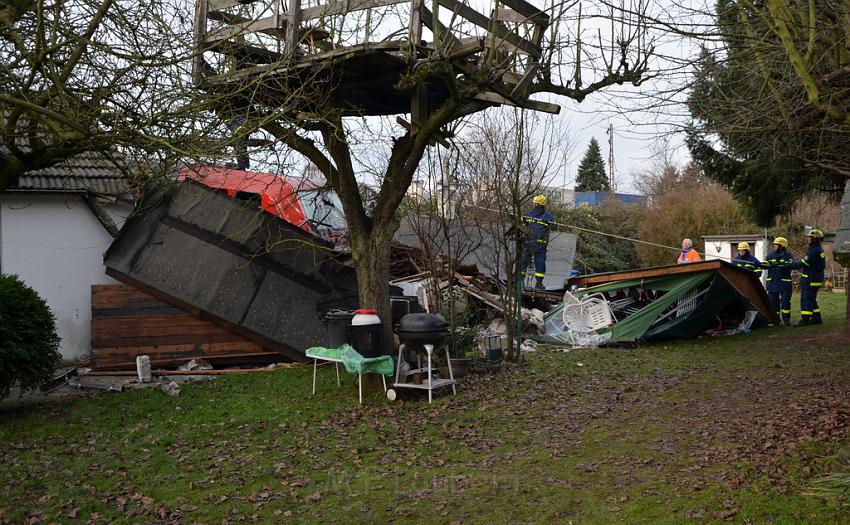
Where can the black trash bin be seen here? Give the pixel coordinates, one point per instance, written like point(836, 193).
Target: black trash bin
point(338, 323)
point(366, 332)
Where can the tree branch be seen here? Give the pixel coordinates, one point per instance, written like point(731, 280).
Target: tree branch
point(636, 78)
point(345, 183)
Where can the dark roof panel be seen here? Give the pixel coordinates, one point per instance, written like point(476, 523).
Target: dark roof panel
point(230, 263)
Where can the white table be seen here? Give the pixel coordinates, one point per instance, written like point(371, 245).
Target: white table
point(336, 362)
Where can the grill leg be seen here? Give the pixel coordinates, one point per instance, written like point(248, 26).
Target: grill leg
point(360, 387)
point(398, 364)
point(337, 373)
point(429, 349)
point(384, 379)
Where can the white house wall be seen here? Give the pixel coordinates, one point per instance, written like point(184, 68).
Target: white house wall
point(55, 244)
point(725, 253)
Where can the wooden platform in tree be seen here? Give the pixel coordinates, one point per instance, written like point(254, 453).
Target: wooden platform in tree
point(334, 54)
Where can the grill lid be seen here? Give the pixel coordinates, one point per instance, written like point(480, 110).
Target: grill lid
point(423, 323)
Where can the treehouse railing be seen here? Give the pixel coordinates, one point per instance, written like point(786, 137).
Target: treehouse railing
point(241, 38)
point(253, 33)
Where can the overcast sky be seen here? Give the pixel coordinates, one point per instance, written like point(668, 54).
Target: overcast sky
point(637, 146)
point(648, 120)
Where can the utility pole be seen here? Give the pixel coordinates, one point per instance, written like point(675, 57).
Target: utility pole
point(612, 178)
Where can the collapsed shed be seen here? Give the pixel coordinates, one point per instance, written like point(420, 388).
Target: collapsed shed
point(228, 262)
point(666, 302)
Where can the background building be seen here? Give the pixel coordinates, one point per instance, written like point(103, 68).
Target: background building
point(598, 198)
point(725, 247)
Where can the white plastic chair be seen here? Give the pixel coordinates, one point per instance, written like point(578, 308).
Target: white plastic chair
point(591, 313)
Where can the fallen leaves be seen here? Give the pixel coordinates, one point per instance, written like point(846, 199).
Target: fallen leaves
point(725, 430)
point(762, 422)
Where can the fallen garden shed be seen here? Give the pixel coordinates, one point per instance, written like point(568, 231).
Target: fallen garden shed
point(666, 302)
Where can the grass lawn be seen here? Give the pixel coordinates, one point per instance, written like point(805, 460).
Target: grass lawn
point(713, 430)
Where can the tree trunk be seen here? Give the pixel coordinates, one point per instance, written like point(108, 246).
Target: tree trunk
point(371, 253)
point(513, 302)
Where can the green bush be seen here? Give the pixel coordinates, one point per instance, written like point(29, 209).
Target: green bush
point(600, 253)
point(29, 346)
point(463, 335)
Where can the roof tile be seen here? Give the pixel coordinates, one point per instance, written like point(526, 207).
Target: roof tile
point(85, 172)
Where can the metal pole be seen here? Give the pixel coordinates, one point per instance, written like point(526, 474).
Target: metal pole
point(315, 363)
point(518, 303)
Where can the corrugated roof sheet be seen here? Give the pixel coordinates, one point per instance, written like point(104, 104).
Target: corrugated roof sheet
point(86, 172)
point(477, 246)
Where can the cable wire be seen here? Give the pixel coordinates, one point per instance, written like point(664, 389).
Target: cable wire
point(615, 236)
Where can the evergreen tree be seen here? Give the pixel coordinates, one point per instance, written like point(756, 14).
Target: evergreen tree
point(770, 123)
point(591, 171)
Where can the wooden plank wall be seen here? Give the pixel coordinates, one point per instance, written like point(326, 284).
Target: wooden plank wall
point(127, 323)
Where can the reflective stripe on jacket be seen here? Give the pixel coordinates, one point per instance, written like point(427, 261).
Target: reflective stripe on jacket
point(778, 277)
point(812, 266)
point(748, 262)
point(538, 222)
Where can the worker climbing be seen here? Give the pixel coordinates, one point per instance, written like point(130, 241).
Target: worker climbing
point(747, 260)
point(538, 222)
point(811, 279)
point(779, 279)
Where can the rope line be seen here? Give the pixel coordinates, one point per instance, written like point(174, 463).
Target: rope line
point(615, 236)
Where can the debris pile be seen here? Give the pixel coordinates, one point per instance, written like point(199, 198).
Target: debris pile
point(683, 301)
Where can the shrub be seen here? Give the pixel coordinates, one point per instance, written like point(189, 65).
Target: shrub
point(29, 346)
point(683, 204)
point(463, 334)
point(601, 253)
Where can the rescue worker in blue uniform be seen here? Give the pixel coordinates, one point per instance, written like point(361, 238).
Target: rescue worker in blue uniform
point(538, 222)
point(746, 260)
point(779, 278)
point(811, 279)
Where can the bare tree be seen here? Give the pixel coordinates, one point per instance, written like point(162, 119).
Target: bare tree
point(347, 62)
point(103, 76)
point(510, 156)
point(443, 235)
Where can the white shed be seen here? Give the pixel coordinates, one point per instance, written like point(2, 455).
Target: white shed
point(55, 225)
point(725, 247)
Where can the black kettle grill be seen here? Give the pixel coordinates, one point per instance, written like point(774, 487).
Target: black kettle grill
point(423, 333)
point(423, 329)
